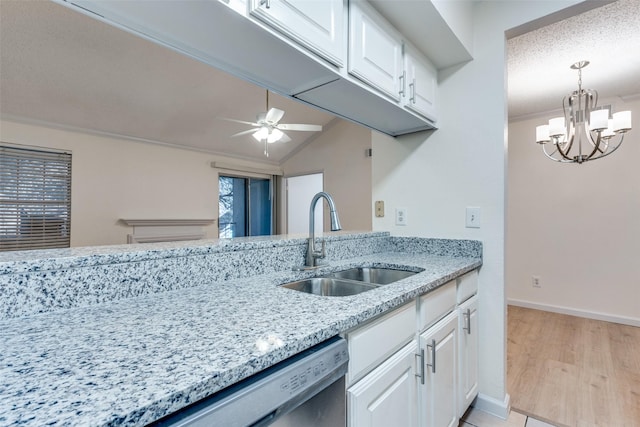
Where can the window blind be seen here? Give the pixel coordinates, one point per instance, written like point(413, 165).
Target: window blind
point(35, 199)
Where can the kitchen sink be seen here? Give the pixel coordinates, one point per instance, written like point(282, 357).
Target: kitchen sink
point(376, 275)
point(349, 282)
point(329, 286)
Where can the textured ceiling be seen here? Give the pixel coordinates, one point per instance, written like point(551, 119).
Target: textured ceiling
point(538, 61)
point(59, 66)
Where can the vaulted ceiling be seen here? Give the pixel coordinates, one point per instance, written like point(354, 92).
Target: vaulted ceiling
point(60, 67)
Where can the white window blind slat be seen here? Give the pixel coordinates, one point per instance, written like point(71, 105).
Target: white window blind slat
point(35, 199)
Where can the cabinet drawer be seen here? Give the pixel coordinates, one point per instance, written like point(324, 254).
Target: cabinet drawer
point(436, 304)
point(375, 342)
point(467, 286)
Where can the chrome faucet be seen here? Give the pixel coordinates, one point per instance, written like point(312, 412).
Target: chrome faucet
point(312, 254)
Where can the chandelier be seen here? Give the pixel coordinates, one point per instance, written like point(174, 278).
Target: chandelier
point(586, 132)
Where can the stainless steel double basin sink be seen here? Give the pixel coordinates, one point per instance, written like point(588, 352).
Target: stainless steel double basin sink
point(349, 282)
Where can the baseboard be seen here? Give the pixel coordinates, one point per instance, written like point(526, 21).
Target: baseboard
point(623, 320)
point(493, 406)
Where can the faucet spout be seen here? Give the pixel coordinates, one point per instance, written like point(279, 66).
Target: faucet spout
point(312, 253)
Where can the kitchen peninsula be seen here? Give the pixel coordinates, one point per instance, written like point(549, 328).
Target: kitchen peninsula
point(124, 335)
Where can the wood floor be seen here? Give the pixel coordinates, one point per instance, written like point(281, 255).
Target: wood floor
point(572, 371)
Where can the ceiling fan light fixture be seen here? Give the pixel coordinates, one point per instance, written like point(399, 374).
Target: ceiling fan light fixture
point(275, 136)
point(261, 133)
point(270, 134)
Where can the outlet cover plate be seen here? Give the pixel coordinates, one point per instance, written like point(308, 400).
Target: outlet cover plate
point(401, 216)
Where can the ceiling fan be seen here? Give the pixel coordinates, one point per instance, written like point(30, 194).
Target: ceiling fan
point(268, 129)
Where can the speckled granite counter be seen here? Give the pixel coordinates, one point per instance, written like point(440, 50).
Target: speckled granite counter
point(132, 360)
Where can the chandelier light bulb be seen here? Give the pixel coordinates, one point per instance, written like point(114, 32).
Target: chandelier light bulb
point(622, 121)
point(557, 127)
point(609, 132)
point(599, 120)
point(542, 134)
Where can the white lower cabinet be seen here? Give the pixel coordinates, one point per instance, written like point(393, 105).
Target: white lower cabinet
point(418, 365)
point(387, 396)
point(467, 353)
point(439, 403)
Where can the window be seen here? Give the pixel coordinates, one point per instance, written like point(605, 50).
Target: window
point(245, 206)
point(35, 199)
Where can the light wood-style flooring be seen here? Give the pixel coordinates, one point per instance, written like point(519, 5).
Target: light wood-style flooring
point(572, 371)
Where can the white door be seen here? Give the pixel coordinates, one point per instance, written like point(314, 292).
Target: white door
point(388, 395)
point(421, 84)
point(468, 350)
point(318, 25)
point(375, 50)
point(300, 191)
point(439, 399)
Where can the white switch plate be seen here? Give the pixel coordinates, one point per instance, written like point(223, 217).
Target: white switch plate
point(473, 218)
point(401, 216)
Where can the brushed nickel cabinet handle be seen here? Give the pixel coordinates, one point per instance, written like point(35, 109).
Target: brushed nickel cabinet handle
point(421, 364)
point(467, 318)
point(432, 346)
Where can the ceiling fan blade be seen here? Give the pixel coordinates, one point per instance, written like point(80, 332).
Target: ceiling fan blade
point(274, 115)
point(238, 121)
point(303, 127)
point(246, 132)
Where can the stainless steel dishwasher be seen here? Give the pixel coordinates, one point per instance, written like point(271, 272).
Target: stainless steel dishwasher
point(307, 389)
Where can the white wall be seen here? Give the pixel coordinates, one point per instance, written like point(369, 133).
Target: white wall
point(575, 226)
point(339, 152)
point(114, 178)
point(463, 164)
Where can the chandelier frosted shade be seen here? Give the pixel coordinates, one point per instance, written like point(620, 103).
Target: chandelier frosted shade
point(584, 132)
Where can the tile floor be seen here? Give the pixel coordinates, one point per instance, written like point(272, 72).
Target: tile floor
point(477, 418)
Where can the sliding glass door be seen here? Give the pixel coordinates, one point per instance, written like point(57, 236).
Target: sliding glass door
point(245, 206)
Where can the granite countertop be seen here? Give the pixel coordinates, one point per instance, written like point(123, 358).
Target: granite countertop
point(132, 361)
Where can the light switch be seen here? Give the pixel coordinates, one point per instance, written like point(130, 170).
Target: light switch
point(473, 218)
point(379, 208)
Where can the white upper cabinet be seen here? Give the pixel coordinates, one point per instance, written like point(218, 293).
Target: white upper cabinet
point(422, 83)
point(375, 50)
point(317, 25)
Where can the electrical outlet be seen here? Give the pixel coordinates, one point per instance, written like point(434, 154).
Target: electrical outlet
point(473, 218)
point(401, 216)
point(536, 282)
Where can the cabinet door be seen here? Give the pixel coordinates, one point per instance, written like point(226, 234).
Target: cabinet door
point(375, 50)
point(468, 353)
point(438, 395)
point(317, 25)
point(421, 83)
point(387, 396)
